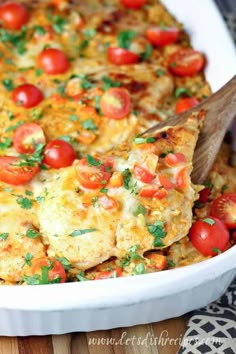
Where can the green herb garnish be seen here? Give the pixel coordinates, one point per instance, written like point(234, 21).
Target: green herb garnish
point(182, 91)
point(209, 221)
point(158, 231)
point(31, 233)
point(108, 83)
point(81, 232)
point(4, 236)
point(88, 124)
point(125, 37)
point(5, 144)
point(93, 162)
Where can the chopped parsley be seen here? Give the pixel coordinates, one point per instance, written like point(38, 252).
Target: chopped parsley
point(82, 46)
point(131, 256)
point(138, 140)
point(216, 250)
point(43, 278)
point(139, 269)
point(81, 232)
point(5, 144)
point(224, 188)
point(127, 178)
point(108, 83)
point(90, 33)
point(65, 262)
point(160, 72)
point(14, 127)
point(158, 231)
point(163, 26)
point(173, 64)
point(170, 263)
point(209, 221)
point(74, 118)
point(32, 159)
point(25, 203)
point(40, 199)
point(164, 154)
point(148, 52)
point(94, 162)
point(81, 277)
point(40, 30)
point(88, 124)
point(8, 84)
point(103, 190)
point(30, 193)
point(10, 115)
point(182, 91)
point(31, 233)
point(86, 84)
point(17, 40)
point(28, 258)
point(57, 21)
point(97, 105)
point(38, 72)
point(125, 37)
point(4, 236)
point(140, 210)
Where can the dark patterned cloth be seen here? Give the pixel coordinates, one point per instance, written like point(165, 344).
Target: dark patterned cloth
point(212, 329)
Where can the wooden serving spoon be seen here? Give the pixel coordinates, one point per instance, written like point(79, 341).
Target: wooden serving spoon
point(220, 112)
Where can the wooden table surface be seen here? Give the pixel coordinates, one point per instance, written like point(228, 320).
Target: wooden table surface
point(167, 335)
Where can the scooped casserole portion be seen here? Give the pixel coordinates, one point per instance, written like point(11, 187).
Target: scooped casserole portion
point(83, 194)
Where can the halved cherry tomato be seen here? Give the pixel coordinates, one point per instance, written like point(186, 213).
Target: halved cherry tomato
point(13, 15)
point(160, 37)
point(172, 159)
point(55, 269)
point(92, 177)
point(224, 208)
point(53, 61)
point(27, 136)
point(184, 104)
point(165, 182)
point(204, 195)
point(234, 236)
point(58, 154)
point(115, 103)
point(186, 62)
point(153, 191)
point(107, 202)
point(182, 179)
point(142, 174)
point(115, 273)
point(207, 236)
point(159, 261)
point(27, 95)
point(121, 56)
point(11, 172)
point(133, 4)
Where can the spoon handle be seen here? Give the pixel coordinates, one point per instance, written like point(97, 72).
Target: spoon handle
point(221, 110)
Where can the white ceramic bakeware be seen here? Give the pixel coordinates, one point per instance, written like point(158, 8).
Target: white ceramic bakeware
point(86, 306)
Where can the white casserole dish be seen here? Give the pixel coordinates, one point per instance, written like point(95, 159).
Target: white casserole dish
point(87, 306)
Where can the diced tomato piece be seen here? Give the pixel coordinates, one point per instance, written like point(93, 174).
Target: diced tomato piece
point(11, 171)
point(55, 268)
point(133, 4)
point(185, 104)
point(115, 103)
point(204, 195)
point(142, 174)
point(108, 202)
point(162, 36)
point(165, 182)
point(174, 159)
point(153, 191)
point(121, 56)
point(186, 62)
point(159, 261)
point(116, 180)
point(182, 179)
point(115, 273)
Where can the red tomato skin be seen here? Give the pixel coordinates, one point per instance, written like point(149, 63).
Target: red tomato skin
point(182, 181)
point(142, 174)
point(133, 4)
point(204, 195)
point(109, 274)
point(15, 175)
point(205, 237)
point(186, 62)
point(53, 61)
point(153, 191)
point(159, 261)
point(27, 96)
point(174, 159)
point(13, 15)
point(161, 37)
point(28, 131)
point(121, 56)
point(91, 177)
point(115, 103)
point(107, 202)
point(219, 207)
point(165, 182)
point(185, 104)
point(59, 154)
point(57, 271)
